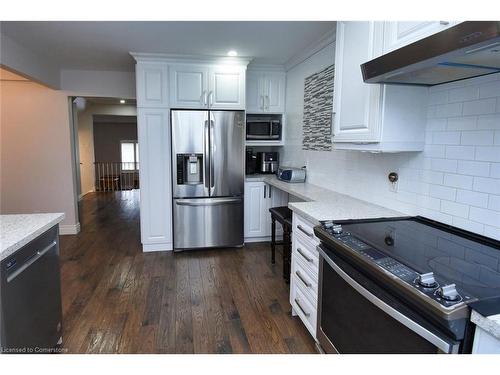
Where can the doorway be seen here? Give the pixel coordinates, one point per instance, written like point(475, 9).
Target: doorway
point(105, 146)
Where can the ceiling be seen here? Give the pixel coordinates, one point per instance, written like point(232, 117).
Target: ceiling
point(106, 45)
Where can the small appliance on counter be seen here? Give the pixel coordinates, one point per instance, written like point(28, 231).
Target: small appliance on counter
point(267, 162)
point(290, 174)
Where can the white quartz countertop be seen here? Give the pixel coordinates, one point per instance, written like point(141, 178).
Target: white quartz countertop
point(490, 324)
point(324, 204)
point(17, 230)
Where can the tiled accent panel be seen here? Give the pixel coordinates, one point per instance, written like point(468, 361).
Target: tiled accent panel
point(318, 107)
point(456, 180)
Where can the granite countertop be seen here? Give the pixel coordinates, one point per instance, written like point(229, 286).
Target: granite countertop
point(490, 324)
point(17, 230)
point(324, 204)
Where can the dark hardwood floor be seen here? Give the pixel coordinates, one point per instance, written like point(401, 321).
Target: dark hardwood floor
point(117, 299)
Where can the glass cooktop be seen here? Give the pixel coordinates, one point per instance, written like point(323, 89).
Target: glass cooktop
point(473, 265)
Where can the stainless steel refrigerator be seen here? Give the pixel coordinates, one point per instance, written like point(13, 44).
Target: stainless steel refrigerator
point(208, 178)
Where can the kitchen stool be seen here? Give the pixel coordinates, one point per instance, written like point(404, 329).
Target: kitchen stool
point(284, 216)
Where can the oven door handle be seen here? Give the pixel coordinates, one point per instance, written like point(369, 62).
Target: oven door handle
point(392, 312)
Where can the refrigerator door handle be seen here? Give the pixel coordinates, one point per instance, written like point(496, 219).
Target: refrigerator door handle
point(212, 152)
point(207, 202)
point(207, 156)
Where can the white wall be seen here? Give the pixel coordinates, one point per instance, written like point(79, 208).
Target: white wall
point(456, 180)
point(99, 83)
point(36, 157)
point(86, 138)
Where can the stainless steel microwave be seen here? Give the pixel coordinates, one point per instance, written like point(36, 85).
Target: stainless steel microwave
point(263, 128)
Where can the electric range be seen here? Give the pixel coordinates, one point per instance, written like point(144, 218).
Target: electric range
point(432, 271)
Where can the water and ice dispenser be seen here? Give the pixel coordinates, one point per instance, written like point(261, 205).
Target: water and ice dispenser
point(189, 169)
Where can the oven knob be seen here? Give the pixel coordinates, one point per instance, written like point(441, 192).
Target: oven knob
point(328, 224)
point(427, 280)
point(337, 229)
point(448, 292)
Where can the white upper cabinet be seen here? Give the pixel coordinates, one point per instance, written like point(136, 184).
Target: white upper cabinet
point(266, 92)
point(152, 85)
point(188, 86)
point(356, 104)
point(203, 86)
point(401, 33)
point(372, 117)
point(226, 87)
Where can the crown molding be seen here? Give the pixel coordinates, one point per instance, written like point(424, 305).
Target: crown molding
point(266, 67)
point(303, 55)
point(189, 59)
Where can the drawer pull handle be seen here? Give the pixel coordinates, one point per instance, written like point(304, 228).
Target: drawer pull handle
point(301, 308)
point(299, 227)
point(299, 250)
point(302, 279)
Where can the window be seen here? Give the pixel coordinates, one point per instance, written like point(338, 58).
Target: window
point(130, 155)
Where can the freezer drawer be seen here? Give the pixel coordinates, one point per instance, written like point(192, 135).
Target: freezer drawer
point(208, 222)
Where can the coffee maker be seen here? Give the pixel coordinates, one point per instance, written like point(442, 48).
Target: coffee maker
point(267, 162)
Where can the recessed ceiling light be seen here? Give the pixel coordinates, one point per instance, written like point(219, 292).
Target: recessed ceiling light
point(122, 101)
point(232, 53)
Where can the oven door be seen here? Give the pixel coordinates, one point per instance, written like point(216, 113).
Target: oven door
point(355, 315)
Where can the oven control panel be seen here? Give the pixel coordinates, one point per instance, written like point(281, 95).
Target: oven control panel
point(439, 290)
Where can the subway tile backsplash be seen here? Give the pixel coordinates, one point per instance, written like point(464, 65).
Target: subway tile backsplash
point(455, 180)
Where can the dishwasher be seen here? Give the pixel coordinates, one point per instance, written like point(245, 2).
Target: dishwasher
point(30, 297)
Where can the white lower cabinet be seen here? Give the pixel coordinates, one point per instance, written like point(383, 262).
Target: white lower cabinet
point(259, 198)
point(304, 273)
point(485, 343)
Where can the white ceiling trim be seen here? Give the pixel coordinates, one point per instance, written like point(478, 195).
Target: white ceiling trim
point(189, 59)
point(325, 40)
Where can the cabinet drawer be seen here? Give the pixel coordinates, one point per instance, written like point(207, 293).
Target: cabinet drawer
point(304, 227)
point(306, 251)
point(305, 310)
point(306, 280)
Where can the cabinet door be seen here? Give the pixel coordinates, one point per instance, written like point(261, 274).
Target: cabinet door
point(356, 104)
point(401, 33)
point(188, 86)
point(155, 176)
point(152, 85)
point(256, 207)
point(254, 97)
point(274, 92)
point(227, 87)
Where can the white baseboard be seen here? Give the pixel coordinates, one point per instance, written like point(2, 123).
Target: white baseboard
point(65, 229)
point(150, 247)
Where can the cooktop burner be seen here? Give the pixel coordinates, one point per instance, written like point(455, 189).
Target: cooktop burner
point(448, 265)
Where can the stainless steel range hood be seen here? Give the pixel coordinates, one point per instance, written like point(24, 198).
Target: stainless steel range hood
point(469, 49)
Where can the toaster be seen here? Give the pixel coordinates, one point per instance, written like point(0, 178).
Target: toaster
point(289, 174)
